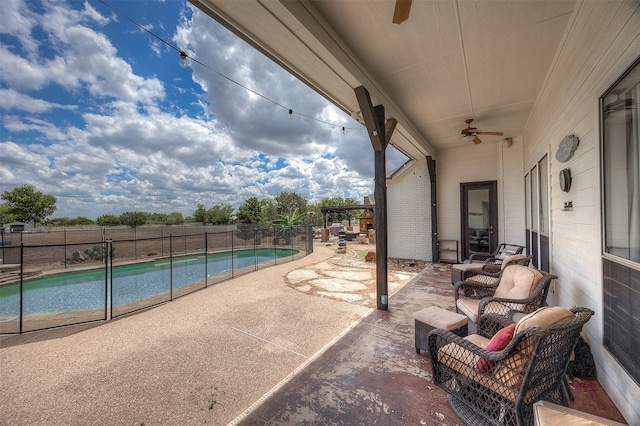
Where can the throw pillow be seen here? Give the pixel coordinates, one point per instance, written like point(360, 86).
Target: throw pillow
point(498, 342)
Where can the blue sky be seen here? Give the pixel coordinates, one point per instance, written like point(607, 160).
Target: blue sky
point(99, 113)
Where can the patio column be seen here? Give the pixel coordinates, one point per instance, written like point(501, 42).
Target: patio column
point(380, 131)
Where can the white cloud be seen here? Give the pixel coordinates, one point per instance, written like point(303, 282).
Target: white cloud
point(129, 143)
point(12, 99)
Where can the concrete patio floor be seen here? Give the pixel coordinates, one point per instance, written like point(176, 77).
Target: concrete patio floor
point(373, 375)
point(271, 347)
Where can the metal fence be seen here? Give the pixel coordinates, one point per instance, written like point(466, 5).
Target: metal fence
point(74, 280)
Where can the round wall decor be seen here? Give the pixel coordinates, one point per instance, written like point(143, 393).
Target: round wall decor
point(567, 147)
point(565, 180)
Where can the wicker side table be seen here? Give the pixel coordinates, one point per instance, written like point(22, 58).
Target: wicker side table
point(436, 317)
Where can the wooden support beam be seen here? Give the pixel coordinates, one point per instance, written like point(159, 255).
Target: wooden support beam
point(389, 128)
point(380, 135)
point(373, 119)
point(431, 165)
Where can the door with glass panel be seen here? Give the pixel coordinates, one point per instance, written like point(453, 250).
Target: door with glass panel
point(536, 184)
point(479, 213)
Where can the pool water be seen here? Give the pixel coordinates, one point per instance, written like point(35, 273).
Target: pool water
point(88, 290)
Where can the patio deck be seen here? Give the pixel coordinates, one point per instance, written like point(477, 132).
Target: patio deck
point(373, 375)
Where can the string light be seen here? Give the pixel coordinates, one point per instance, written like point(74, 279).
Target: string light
point(183, 59)
point(184, 63)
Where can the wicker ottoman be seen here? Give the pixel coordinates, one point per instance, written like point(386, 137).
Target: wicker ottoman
point(436, 317)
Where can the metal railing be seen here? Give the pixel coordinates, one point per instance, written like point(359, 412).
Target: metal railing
point(65, 283)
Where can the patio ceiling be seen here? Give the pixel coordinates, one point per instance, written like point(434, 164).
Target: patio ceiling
point(450, 61)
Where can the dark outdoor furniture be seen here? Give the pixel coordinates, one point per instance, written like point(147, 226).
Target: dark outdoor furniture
point(503, 251)
point(462, 271)
point(516, 288)
point(530, 368)
point(490, 271)
point(433, 317)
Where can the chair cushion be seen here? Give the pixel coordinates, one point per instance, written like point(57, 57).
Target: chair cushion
point(464, 362)
point(498, 342)
point(469, 307)
point(544, 317)
point(517, 282)
point(512, 372)
point(512, 258)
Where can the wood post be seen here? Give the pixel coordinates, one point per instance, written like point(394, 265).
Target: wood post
point(380, 131)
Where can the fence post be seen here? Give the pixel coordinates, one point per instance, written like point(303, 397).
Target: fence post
point(170, 266)
point(65, 248)
point(21, 282)
point(108, 279)
point(233, 269)
point(255, 249)
point(206, 260)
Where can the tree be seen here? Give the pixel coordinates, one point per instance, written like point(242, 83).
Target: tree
point(288, 225)
point(269, 210)
point(133, 219)
point(108, 220)
point(81, 220)
point(219, 215)
point(200, 214)
point(250, 211)
point(28, 205)
point(174, 218)
point(157, 218)
point(287, 202)
point(5, 214)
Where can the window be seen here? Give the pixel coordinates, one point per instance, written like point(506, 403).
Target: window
point(621, 216)
point(621, 166)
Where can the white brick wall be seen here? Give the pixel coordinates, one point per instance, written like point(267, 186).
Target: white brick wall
point(409, 213)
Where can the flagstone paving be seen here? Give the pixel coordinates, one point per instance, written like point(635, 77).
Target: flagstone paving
point(347, 277)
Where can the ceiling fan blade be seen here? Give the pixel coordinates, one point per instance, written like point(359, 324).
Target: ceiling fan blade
point(476, 140)
point(401, 11)
point(490, 133)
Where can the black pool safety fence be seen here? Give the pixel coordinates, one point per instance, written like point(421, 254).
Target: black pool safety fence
point(79, 281)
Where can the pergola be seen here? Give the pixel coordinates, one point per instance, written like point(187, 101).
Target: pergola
point(342, 209)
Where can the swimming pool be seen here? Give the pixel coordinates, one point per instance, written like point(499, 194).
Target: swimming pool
point(92, 290)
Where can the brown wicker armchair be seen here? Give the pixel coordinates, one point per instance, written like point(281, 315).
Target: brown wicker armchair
point(503, 251)
point(530, 368)
point(516, 288)
point(491, 271)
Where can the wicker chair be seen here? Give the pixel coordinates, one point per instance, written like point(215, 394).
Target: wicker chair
point(503, 251)
point(516, 288)
point(530, 368)
point(491, 271)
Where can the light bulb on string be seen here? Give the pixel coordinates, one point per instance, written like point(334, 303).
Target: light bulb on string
point(183, 59)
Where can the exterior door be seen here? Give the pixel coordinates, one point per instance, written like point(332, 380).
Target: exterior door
point(479, 214)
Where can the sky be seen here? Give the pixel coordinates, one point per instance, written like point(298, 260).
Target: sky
point(98, 111)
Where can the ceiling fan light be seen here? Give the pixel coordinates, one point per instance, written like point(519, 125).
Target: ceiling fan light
point(476, 140)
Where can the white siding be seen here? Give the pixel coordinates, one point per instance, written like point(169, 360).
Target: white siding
point(409, 214)
point(602, 40)
point(483, 162)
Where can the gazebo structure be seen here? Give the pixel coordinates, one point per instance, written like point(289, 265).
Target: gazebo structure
point(366, 222)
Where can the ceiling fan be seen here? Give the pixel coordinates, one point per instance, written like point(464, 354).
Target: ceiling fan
point(473, 131)
point(401, 11)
